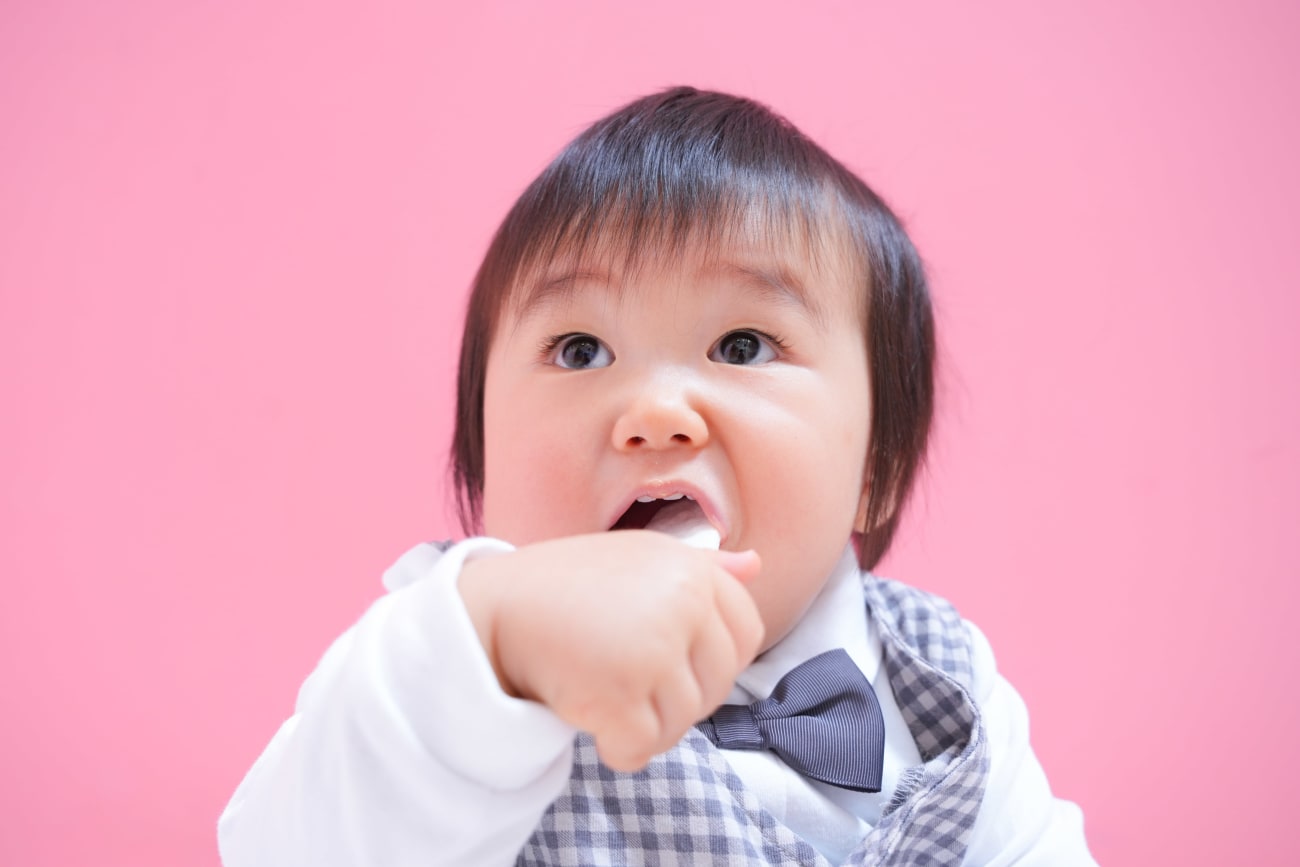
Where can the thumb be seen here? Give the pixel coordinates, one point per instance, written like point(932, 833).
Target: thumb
point(744, 566)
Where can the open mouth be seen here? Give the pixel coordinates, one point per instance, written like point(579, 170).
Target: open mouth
point(677, 515)
point(642, 513)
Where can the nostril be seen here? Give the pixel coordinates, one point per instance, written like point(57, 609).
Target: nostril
point(635, 441)
point(681, 438)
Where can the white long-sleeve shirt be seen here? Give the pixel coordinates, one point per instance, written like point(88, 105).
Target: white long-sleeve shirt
point(404, 750)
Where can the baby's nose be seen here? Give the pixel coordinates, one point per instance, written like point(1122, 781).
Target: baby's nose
point(660, 417)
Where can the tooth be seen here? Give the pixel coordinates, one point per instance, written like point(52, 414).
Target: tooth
point(674, 496)
point(645, 499)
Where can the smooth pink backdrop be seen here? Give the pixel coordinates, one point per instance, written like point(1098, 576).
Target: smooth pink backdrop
point(235, 239)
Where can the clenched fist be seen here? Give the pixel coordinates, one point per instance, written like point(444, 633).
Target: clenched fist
point(631, 636)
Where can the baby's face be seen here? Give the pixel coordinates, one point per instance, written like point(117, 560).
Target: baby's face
point(740, 381)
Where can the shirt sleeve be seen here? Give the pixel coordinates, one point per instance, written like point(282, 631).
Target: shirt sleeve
point(403, 749)
point(1020, 822)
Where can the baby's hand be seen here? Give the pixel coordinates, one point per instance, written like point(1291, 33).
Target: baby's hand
point(631, 636)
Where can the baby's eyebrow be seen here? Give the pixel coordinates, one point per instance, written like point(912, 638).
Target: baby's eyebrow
point(551, 289)
point(777, 283)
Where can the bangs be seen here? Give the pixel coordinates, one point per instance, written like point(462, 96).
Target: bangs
point(666, 178)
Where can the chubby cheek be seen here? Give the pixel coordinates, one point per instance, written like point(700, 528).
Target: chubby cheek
point(533, 474)
point(796, 566)
point(803, 514)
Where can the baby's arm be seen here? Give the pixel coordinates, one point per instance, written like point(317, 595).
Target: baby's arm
point(402, 750)
point(405, 749)
point(1019, 822)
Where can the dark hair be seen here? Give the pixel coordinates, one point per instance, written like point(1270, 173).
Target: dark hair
point(686, 167)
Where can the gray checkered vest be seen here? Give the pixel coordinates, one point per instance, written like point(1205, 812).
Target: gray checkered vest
point(689, 808)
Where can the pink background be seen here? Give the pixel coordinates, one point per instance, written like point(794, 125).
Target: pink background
point(235, 239)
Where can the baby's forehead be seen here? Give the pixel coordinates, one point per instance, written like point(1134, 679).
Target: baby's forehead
point(818, 271)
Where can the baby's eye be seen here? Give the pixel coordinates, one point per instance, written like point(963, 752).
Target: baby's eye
point(743, 347)
point(580, 352)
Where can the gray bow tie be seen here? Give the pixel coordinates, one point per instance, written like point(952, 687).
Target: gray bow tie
point(822, 719)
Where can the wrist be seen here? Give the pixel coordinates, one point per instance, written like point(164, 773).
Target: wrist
point(481, 591)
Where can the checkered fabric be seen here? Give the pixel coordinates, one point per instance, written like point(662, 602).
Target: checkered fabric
point(687, 807)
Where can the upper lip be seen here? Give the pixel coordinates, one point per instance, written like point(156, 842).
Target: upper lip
point(662, 489)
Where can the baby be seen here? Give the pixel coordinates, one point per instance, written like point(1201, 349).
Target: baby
point(695, 387)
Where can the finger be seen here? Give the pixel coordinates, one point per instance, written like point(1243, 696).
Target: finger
point(714, 664)
point(626, 740)
point(677, 700)
point(744, 566)
point(740, 615)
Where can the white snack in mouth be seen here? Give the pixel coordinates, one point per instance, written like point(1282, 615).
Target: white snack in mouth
point(682, 519)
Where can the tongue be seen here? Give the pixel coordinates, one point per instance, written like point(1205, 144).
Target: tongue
point(683, 520)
